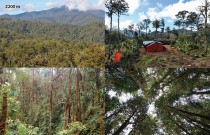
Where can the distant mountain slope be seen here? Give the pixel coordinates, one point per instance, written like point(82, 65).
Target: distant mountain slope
point(61, 15)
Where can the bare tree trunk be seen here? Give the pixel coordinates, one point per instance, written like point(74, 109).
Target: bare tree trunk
point(118, 15)
point(79, 95)
point(23, 99)
point(124, 124)
point(78, 113)
point(83, 93)
point(201, 92)
point(146, 29)
point(185, 116)
point(206, 17)
point(110, 32)
point(98, 84)
point(68, 104)
point(51, 104)
point(3, 120)
point(4, 114)
point(191, 114)
point(64, 79)
point(33, 90)
point(181, 127)
point(197, 124)
point(156, 33)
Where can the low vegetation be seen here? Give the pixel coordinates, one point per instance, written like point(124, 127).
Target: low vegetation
point(187, 46)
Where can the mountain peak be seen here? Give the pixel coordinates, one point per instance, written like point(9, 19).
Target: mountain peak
point(64, 7)
point(61, 15)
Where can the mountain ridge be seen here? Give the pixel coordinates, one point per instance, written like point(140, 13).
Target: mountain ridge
point(61, 15)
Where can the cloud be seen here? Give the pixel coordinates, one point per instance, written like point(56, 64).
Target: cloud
point(170, 21)
point(160, 5)
point(84, 5)
point(171, 10)
point(152, 13)
point(142, 16)
point(125, 24)
point(79, 4)
point(52, 4)
point(101, 4)
point(133, 5)
point(29, 7)
point(107, 21)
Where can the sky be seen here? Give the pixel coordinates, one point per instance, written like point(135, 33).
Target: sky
point(37, 5)
point(155, 9)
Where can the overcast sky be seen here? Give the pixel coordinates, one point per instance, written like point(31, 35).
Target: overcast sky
point(155, 9)
point(36, 5)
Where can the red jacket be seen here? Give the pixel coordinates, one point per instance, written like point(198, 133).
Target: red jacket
point(117, 57)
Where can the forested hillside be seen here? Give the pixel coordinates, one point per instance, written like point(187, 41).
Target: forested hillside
point(46, 101)
point(152, 101)
point(25, 43)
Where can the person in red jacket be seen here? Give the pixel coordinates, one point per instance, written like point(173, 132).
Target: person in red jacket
point(117, 57)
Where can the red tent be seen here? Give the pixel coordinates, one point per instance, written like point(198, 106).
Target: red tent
point(152, 46)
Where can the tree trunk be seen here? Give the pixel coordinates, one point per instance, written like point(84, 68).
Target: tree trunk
point(3, 120)
point(110, 33)
point(23, 104)
point(146, 30)
point(110, 29)
point(191, 114)
point(156, 33)
point(68, 104)
point(98, 84)
point(183, 129)
point(63, 80)
point(206, 17)
point(201, 92)
point(113, 114)
point(78, 115)
point(118, 15)
point(83, 93)
point(51, 104)
point(79, 95)
point(123, 126)
point(183, 74)
point(189, 120)
point(4, 115)
point(194, 120)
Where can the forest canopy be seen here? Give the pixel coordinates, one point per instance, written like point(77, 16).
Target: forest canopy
point(161, 101)
point(32, 44)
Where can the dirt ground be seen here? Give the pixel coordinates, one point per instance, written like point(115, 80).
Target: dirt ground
point(175, 58)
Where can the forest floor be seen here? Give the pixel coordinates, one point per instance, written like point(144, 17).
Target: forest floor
point(172, 57)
